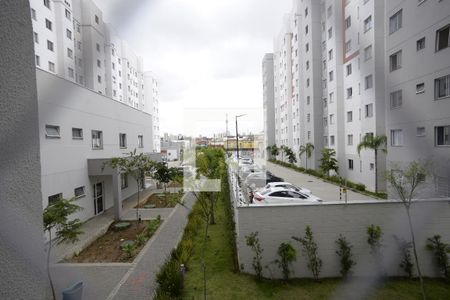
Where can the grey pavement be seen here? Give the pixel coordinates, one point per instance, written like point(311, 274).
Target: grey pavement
point(326, 191)
point(147, 213)
point(139, 282)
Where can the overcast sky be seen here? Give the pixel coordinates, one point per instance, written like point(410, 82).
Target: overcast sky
point(206, 54)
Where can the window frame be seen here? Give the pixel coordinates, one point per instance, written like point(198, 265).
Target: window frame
point(80, 130)
point(83, 188)
point(437, 81)
point(99, 138)
point(447, 27)
point(398, 61)
point(395, 98)
point(396, 141)
point(446, 129)
point(52, 136)
point(398, 23)
point(122, 140)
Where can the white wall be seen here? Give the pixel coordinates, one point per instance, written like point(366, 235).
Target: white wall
point(64, 160)
point(277, 224)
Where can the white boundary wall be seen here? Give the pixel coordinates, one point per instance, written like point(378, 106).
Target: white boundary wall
point(277, 224)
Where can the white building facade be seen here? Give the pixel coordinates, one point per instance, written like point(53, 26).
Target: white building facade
point(268, 100)
point(334, 80)
point(92, 105)
point(151, 106)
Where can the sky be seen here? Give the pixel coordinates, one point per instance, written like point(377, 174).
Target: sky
point(206, 55)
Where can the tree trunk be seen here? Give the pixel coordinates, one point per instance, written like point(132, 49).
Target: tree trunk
point(212, 220)
point(137, 206)
point(376, 172)
point(48, 263)
point(416, 258)
point(203, 258)
point(306, 162)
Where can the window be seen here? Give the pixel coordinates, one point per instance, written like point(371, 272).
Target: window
point(325, 141)
point(51, 66)
point(349, 69)
point(420, 44)
point(77, 133)
point(123, 181)
point(47, 3)
point(309, 135)
point(306, 12)
point(79, 45)
point(395, 22)
point(97, 139)
point(349, 93)
point(350, 164)
point(369, 110)
point(99, 79)
point(368, 23)
point(331, 97)
point(330, 54)
point(68, 15)
point(331, 119)
point(48, 24)
point(442, 135)
point(331, 140)
point(36, 37)
point(349, 116)
point(307, 47)
point(330, 32)
point(97, 46)
point(368, 81)
point(79, 192)
point(69, 53)
point(69, 34)
point(52, 131)
point(350, 140)
point(442, 87)
point(80, 62)
point(330, 75)
point(70, 71)
point(33, 14)
point(443, 38)
point(348, 22)
point(97, 19)
point(49, 45)
point(99, 63)
point(396, 99)
point(308, 100)
point(113, 66)
point(329, 11)
point(140, 141)
point(122, 140)
point(307, 65)
point(307, 82)
point(368, 53)
point(420, 131)
point(348, 46)
point(38, 60)
point(395, 61)
point(54, 198)
point(420, 88)
point(396, 137)
point(306, 31)
point(308, 118)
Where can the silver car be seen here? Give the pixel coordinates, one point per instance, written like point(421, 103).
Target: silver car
point(286, 185)
point(281, 195)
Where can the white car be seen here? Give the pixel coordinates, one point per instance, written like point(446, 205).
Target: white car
point(286, 185)
point(283, 196)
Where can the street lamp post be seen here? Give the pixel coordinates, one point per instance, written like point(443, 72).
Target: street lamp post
point(237, 138)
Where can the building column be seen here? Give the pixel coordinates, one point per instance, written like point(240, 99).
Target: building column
point(117, 195)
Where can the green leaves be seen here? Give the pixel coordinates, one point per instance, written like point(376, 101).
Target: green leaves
point(377, 142)
point(328, 162)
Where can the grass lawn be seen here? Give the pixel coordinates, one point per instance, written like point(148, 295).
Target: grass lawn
point(223, 283)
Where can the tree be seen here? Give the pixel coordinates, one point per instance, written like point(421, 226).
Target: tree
point(164, 174)
point(273, 150)
point(287, 255)
point(310, 249)
point(307, 149)
point(290, 154)
point(375, 143)
point(136, 165)
point(328, 161)
point(56, 219)
point(405, 182)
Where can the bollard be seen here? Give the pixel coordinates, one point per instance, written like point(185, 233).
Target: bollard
point(182, 271)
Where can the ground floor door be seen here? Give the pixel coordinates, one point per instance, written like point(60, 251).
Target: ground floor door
point(99, 200)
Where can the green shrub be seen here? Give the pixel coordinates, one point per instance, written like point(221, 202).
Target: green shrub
point(183, 252)
point(404, 248)
point(252, 241)
point(345, 255)
point(151, 227)
point(310, 250)
point(141, 238)
point(128, 249)
point(350, 184)
point(374, 240)
point(440, 250)
point(287, 255)
point(360, 187)
point(169, 280)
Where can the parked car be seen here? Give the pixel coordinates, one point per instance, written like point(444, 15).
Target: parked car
point(247, 170)
point(287, 185)
point(281, 195)
point(260, 179)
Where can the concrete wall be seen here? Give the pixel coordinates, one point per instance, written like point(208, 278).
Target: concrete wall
point(22, 260)
point(277, 224)
point(64, 160)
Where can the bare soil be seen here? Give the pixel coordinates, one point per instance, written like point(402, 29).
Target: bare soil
point(162, 200)
point(107, 248)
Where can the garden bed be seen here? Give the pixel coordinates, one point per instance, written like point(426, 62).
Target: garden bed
point(161, 200)
point(121, 243)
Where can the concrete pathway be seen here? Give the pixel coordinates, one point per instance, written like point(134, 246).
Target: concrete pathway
point(122, 280)
point(147, 213)
point(326, 191)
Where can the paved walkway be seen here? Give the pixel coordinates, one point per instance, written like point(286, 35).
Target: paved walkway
point(326, 191)
point(122, 280)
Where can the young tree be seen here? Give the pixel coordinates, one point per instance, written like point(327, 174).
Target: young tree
point(287, 255)
point(375, 143)
point(328, 161)
point(290, 155)
point(274, 151)
point(307, 149)
point(406, 182)
point(136, 165)
point(56, 219)
point(252, 241)
point(310, 249)
point(164, 174)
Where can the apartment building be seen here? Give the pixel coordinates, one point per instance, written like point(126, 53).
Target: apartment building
point(418, 86)
point(92, 105)
point(341, 72)
point(268, 99)
point(151, 106)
